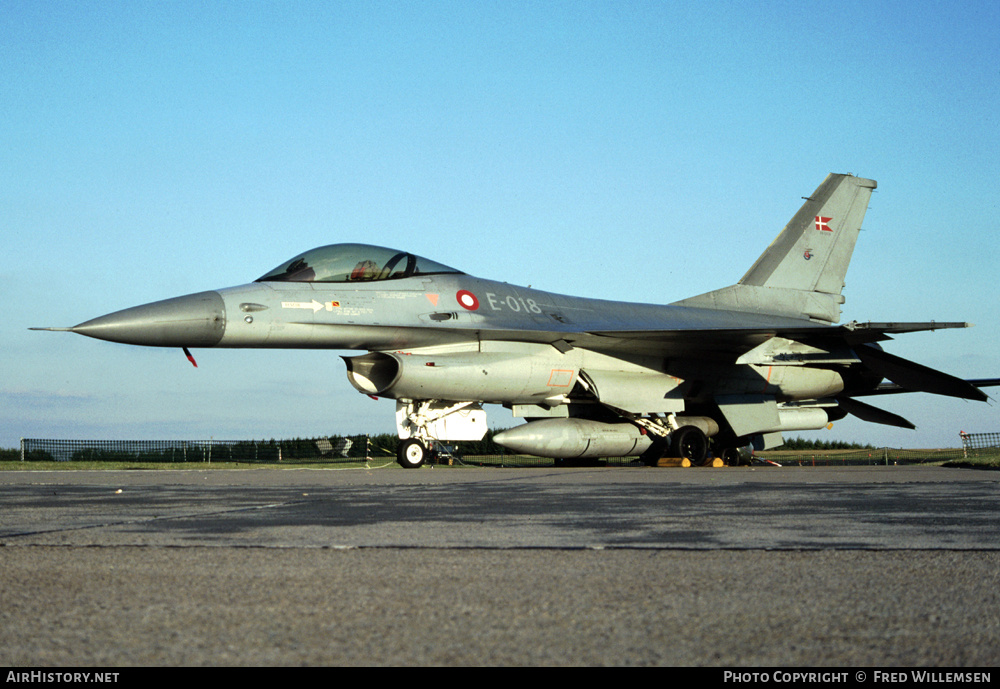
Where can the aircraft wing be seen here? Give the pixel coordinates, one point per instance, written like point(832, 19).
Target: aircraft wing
point(728, 340)
point(854, 332)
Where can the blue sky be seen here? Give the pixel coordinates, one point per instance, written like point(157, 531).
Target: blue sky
point(633, 151)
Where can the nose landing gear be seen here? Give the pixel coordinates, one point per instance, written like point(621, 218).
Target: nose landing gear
point(412, 454)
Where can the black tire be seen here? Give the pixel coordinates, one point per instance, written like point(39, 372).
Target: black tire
point(411, 454)
point(691, 443)
point(730, 456)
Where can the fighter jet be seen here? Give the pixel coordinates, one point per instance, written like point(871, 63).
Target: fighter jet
point(592, 378)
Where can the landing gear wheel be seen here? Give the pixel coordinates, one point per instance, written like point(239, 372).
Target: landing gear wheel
point(730, 456)
point(411, 454)
point(689, 442)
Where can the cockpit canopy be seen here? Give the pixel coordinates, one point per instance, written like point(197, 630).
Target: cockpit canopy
point(353, 263)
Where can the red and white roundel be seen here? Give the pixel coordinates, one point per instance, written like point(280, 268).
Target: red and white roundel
point(467, 300)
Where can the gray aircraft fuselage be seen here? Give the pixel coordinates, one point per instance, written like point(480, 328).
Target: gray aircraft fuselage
point(410, 312)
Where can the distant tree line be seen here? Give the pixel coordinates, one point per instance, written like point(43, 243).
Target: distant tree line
point(803, 444)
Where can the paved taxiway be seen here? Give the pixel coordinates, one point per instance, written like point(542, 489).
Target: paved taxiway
point(750, 566)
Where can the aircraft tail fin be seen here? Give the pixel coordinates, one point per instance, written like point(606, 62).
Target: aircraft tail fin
point(814, 249)
point(802, 272)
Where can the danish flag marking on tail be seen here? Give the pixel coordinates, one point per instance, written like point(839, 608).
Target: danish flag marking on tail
point(821, 224)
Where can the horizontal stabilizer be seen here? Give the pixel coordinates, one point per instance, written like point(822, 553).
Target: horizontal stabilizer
point(892, 388)
point(916, 377)
point(892, 327)
point(867, 412)
point(857, 333)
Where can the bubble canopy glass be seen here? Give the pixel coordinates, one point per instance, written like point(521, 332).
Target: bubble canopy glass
point(353, 263)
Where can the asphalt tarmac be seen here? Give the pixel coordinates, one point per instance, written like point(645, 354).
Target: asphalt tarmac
point(733, 567)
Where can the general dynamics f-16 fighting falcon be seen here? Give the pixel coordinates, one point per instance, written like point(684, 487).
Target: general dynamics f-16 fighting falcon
point(593, 378)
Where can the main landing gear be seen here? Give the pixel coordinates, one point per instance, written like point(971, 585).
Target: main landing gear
point(690, 443)
point(684, 446)
point(689, 446)
point(730, 456)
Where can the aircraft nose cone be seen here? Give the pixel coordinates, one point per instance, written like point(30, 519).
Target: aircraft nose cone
point(195, 320)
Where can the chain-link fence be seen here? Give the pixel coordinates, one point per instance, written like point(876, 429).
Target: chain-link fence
point(362, 448)
point(349, 449)
point(343, 449)
point(885, 456)
point(980, 444)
